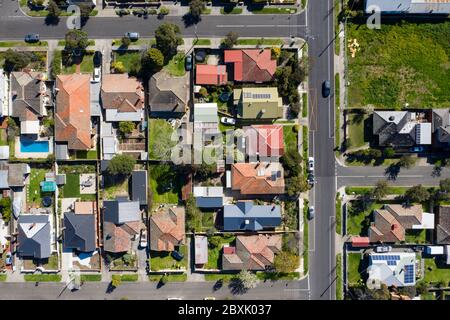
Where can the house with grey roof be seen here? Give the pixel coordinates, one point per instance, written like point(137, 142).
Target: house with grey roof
point(34, 239)
point(246, 216)
point(17, 172)
point(79, 232)
point(139, 186)
point(208, 197)
point(392, 269)
point(121, 211)
point(401, 128)
point(441, 127)
point(408, 6)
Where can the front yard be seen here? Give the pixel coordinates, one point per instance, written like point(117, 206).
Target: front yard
point(131, 60)
point(162, 260)
point(176, 65)
point(215, 245)
point(86, 64)
point(358, 128)
point(400, 63)
point(354, 268)
point(164, 184)
point(358, 220)
point(122, 262)
point(290, 137)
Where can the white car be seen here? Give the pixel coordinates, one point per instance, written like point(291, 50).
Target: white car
point(226, 120)
point(311, 164)
point(209, 298)
point(173, 298)
point(383, 249)
point(97, 75)
point(143, 239)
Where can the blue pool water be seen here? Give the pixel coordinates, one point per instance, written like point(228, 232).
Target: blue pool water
point(27, 145)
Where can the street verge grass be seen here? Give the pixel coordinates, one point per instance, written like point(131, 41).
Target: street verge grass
point(305, 237)
point(3, 277)
point(216, 277)
point(260, 42)
point(233, 10)
point(305, 105)
point(274, 10)
point(337, 108)
point(126, 277)
point(338, 214)
point(91, 277)
point(42, 277)
point(7, 44)
point(170, 277)
point(339, 283)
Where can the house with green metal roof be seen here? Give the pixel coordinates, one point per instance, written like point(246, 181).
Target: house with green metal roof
point(258, 103)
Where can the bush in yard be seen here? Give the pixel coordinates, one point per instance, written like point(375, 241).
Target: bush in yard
point(118, 67)
point(286, 262)
point(164, 11)
point(126, 127)
point(168, 39)
point(196, 8)
point(15, 61)
point(5, 205)
point(193, 215)
point(121, 164)
point(53, 10)
point(126, 42)
point(291, 163)
point(116, 280)
point(380, 190)
point(422, 287)
point(417, 194)
point(205, 171)
point(444, 186)
point(56, 64)
point(276, 52)
point(389, 152)
point(214, 242)
point(296, 185)
point(153, 11)
point(164, 279)
point(76, 40)
point(203, 92)
point(295, 109)
point(152, 61)
point(231, 39)
point(247, 279)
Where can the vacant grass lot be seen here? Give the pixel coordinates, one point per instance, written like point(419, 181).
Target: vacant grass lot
point(164, 184)
point(354, 268)
point(356, 130)
point(161, 260)
point(176, 65)
point(400, 63)
point(128, 58)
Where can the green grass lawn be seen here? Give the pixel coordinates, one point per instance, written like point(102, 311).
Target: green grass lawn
point(3, 277)
point(365, 190)
point(434, 274)
point(114, 189)
point(416, 236)
point(338, 214)
point(305, 237)
point(126, 277)
point(274, 10)
point(274, 276)
point(72, 187)
point(51, 263)
point(86, 154)
point(202, 42)
point(216, 277)
point(42, 277)
point(356, 130)
point(391, 69)
point(62, 43)
point(128, 58)
point(160, 141)
point(207, 220)
point(139, 42)
point(304, 105)
point(231, 10)
point(6, 44)
point(353, 268)
point(164, 183)
point(34, 194)
point(176, 65)
point(86, 66)
point(215, 254)
point(170, 277)
point(339, 280)
point(91, 277)
point(337, 126)
point(261, 41)
point(290, 138)
point(163, 260)
point(356, 220)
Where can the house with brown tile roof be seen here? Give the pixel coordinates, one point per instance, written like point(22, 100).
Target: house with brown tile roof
point(443, 225)
point(258, 178)
point(73, 111)
point(390, 223)
point(167, 229)
point(122, 97)
point(252, 65)
point(255, 252)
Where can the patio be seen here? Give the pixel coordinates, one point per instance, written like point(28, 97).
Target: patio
point(88, 183)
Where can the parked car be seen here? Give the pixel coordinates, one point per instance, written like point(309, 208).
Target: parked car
point(32, 37)
point(177, 255)
point(311, 164)
point(311, 178)
point(97, 59)
point(97, 75)
point(383, 249)
point(143, 239)
point(8, 259)
point(188, 63)
point(417, 149)
point(226, 120)
point(132, 35)
point(209, 298)
point(326, 88)
point(311, 213)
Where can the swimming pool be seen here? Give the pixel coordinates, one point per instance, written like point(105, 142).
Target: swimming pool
point(28, 145)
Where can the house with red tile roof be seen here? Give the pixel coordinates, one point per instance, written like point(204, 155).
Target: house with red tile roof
point(264, 141)
point(255, 252)
point(258, 178)
point(211, 74)
point(167, 229)
point(73, 111)
point(252, 65)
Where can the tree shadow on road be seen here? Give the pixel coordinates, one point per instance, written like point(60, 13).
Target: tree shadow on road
point(392, 171)
point(236, 287)
point(190, 20)
point(51, 21)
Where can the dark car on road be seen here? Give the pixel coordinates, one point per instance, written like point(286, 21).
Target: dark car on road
point(32, 37)
point(326, 88)
point(188, 63)
point(97, 59)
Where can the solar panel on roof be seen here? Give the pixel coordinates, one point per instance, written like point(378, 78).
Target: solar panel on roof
point(261, 96)
point(409, 274)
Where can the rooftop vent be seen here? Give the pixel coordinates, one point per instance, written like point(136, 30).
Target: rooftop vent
point(247, 221)
point(391, 118)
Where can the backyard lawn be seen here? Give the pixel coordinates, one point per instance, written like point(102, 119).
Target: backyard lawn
point(176, 65)
point(416, 236)
point(119, 188)
point(72, 187)
point(215, 253)
point(164, 184)
point(435, 274)
point(160, 139)
point(391, 69)
point(160, 260)
point(207, 220)
point(353, 268)
point(34, 194)
point(290, 138)
point(85, 154)
point(130, 59)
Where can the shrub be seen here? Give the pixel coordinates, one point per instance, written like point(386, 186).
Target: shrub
point(121, 164)
point(118, 67)
point(126, 41)
point(164, 11)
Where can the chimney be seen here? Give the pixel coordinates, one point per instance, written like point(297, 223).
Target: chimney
point(394, 226)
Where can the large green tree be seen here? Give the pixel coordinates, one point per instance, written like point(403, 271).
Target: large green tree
point(380, 190)
point(121, 164)
point(76, 40)
point(291, 160)
point(231, 39)
point(15, 61)
point(296, 185)
point(247, 279)
point(152, 60)
point(53, 10)
point(126, 127)
point(417, 194)
point(168, 39)
point(286, 262)
point(196, 8)
point(193, 215)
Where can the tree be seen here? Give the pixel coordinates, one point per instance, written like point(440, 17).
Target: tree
point(56, 64)
point(417, 194)
point(126, 127)
point(153, 60)
point(53, 10)
point(5, 206)
point(247, 279)
point(282, 76)
point(215, 241)
point(121, 164)
point(76, 40)
point(15, 61)
point(116, 280)
point(389, 152)
point(85, 11)
point(296, 185)
point(230, 40)
point(291, 160)
point(380, 190)
point(203, 92)
point(193, 215)
point(406, 161)
point(164, 11)
point(125, 42)
point(422, 287)
point(295, 109)
point(204, 171)
point(168, 39)
point(286, 262)
point(196, 8)
point(444, 186)
point(118, 67)
point(381, 294)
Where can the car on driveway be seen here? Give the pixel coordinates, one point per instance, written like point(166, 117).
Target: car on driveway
point(97, 59)
point(311, 213)
point(143, 239)
point(311, 164)
point(8, 259)
point(226, 120)
point(132, 35)
point(188, 63)
point(417, 149)
point(380, 249)
point(32, 37)
point(326, 88)
point(97, 75)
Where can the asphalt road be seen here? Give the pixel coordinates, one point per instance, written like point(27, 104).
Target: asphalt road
point(14, 25)
point(367, 176)
point(280, 290)
point(320, 37)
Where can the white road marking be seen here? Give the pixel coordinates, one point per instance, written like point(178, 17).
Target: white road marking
point(351, 176)
point(375, 176)
point(259, 25)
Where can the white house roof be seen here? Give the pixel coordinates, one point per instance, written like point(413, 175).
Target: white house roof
point(29, 127)
point(4, 152)
point(409, 6)
point(423, 133)
point(205, 112)
point(208, 191)
point(394, 268)
point(113, 116)
point(427, 221)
